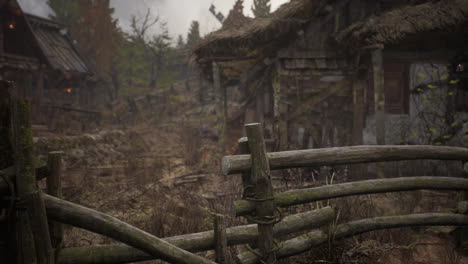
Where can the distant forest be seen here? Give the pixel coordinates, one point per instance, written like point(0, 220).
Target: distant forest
point(125, 62)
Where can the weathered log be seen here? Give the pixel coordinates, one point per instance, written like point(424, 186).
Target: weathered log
point(221, 251)
point(79, 216)
point(312, 239)
point(41, 173)
point(26, 187)
point(302, 196)
point(54, 188)
point(345, 155)
point(116, 254)
point(260, 179)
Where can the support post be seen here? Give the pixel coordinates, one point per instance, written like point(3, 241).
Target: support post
point(246, 183)
point(263, 189)
point(221, 250)
point(221, 107)
point(54, 188)
point(379, 101)
point(358, 122)
point(34, 240)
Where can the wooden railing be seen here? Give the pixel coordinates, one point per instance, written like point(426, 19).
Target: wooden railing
point(39, 216)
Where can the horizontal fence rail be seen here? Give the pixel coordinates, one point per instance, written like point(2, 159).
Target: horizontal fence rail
point(197, 242)
point(315, 238)
point(10, 173)
point(302, 196)
point(95, 221)
point(345, 155)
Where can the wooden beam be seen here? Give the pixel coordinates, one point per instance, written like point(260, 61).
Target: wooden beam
point(379, 95)
point(34, 222)
point(197, 242)
point(315, 238)
point(302, 196)
point(54, 188)
point(221, 107)
point(9, 173)
point(379, 102)
point(221, 250)
point(345, 155)
point(263, 192)
point(79, 216)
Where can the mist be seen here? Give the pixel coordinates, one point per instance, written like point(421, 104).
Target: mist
point(177, 13)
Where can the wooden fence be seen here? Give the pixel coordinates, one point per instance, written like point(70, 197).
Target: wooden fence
point(36, 217)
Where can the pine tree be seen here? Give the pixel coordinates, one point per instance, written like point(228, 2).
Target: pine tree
point(261, 8)
point(66, 11)
point(180, 42)
point(193, 37)
point(97, 34)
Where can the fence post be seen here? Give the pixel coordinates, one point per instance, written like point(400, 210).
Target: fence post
point(263, 192)
point(221, 250)
point(54, 188)
point(246, 183)
point(34, 241)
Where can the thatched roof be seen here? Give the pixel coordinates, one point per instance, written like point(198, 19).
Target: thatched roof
point(258, 36)
point(395, 25)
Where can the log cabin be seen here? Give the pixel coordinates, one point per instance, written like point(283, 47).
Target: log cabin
point(334, 73)
point(38, 56)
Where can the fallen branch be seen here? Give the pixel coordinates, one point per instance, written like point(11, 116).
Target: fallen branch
point(345, 155)
point(100, 223)
point(315, 238)
point(302, 196)
point(203, 241)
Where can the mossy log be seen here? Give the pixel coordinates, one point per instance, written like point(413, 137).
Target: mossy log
point(260, 179)
point(345, 155)
point(197, 242)
point(27, 189)
point(314, 238)
point(302, 196)
point(221, 249)
point(79, 216)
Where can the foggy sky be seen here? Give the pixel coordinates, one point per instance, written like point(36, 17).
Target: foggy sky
point(177, 13)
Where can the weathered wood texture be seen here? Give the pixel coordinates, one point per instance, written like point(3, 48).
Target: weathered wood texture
point(379, 103)
point(10, 172)
point(39, 226)
point(260, 179)
point(221, 250)
point(244, 149)
point(312, 239)
point(302, 196)
point(221, 106)
point(5, 115)
point(79, 216)
point(379, 95)
point(116, 254)
point(345, 155)
point(27, 189)
point(54, 188)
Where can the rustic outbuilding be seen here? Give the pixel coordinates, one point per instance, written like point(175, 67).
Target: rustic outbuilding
point(39, 57)
point(334, 73)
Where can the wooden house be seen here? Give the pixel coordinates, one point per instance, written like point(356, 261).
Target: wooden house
point(37, 55)
point(332, 73)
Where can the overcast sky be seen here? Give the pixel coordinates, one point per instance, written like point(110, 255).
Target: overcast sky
point(178, 13)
